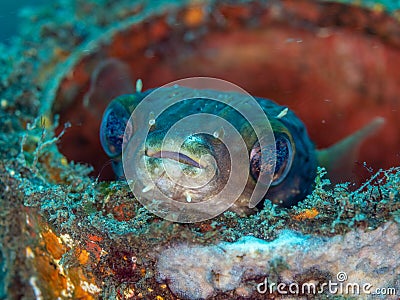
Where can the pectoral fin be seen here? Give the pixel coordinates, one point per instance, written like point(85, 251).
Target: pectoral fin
point(339, 158)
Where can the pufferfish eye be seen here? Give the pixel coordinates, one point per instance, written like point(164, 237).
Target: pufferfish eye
point(112, 128)
point(284, 158)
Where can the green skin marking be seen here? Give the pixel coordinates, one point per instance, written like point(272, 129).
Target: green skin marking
point(297, 181)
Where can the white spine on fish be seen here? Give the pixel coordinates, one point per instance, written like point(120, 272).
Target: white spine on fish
point(219, 133)
point(188, 197)
point(282, 113)
point(152, 119)
point(147, 188)
point(139, 85)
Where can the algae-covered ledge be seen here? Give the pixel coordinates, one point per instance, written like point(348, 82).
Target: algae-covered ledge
point(67, 235)
point(97, 234)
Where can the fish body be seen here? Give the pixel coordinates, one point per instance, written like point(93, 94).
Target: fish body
point(296, 156)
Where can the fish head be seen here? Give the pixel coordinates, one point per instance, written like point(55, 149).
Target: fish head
point(198, 167)
point(193, 170)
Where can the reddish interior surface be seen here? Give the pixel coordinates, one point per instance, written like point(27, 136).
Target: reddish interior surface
point(335, 77)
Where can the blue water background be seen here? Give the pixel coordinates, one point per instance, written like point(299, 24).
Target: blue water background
point(9, 12)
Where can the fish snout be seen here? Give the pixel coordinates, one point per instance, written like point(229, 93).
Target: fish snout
point(189, 171)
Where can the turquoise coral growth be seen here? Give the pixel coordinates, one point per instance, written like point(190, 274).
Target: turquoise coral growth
point(71, 202)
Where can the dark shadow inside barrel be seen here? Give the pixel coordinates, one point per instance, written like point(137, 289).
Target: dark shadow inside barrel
point(336, 66)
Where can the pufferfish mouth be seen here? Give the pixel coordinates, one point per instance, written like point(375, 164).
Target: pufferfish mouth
point(177, 156)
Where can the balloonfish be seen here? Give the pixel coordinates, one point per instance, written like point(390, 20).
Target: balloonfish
point(295, 157)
